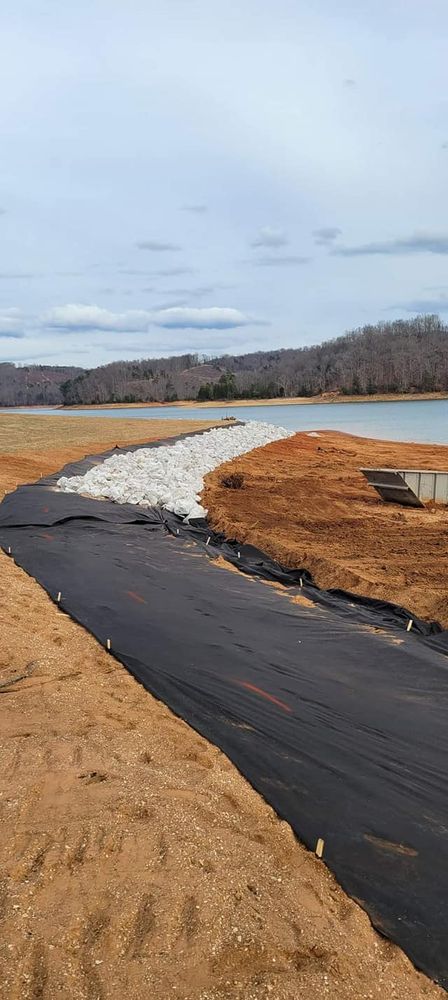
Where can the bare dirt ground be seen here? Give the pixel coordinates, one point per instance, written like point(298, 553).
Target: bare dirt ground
point(305, 502)
point(135, 860)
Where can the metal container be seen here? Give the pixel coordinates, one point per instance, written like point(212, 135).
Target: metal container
point(411, 487)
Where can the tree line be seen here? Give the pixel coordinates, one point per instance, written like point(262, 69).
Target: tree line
point(402, 356)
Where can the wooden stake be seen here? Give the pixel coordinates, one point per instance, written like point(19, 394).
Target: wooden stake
point(301, 582)
point(320, 847)
point(59, 596)
point(239, 555)
point(208, 539)
point(107, 643)
point(409, 625)
point(9, 550)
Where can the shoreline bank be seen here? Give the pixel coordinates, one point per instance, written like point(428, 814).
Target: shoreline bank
point(277, 401)
point(193, 404)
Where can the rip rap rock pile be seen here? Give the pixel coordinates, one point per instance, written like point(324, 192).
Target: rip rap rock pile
point(172, 476)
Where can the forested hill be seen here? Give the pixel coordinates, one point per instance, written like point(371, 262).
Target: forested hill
point(33, 385)
point(403, 356)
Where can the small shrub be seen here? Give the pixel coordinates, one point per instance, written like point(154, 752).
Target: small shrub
point(235, 481)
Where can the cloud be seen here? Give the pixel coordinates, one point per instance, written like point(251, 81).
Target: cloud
point(157, 245)
point(79, 318)
point(326, 235)
point(166, 272)
point(143, 272)
point(419, 242)
point(196, 293)
point(349, 82)
point(13, 275)
point(435, 305)
point(169, 272)
point(11, 323)
point(289, 261)
point(71, 274)
point(197, 209)
point(216, 318)
point(185, 294)
point(199, 291)
point(268, 237)
point(83, 317)
point(171, 303)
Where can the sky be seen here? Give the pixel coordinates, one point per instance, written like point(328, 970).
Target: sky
point(192, 175)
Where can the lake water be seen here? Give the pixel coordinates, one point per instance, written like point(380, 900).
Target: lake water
point(407, 420)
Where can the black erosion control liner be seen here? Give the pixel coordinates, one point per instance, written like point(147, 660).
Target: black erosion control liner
point(334, 712)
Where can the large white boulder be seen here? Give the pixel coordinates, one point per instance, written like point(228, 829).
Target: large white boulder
point(171, 476)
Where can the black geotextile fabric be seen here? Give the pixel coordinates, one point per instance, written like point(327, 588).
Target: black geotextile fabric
point(332, 711)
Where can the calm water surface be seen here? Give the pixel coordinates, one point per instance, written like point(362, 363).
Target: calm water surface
point(424, 420)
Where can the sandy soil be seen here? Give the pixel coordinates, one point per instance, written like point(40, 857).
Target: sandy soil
point(305, 502)
point(135, 860)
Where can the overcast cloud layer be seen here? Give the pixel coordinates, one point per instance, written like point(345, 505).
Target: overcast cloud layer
point(197, 176)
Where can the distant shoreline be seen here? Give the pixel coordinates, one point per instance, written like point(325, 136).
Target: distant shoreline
point(278, 401)
point(410, 397)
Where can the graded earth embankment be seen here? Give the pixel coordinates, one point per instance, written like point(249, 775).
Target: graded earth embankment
point(305, 502)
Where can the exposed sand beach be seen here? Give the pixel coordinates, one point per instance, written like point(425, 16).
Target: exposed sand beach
point(329, 397)
point(136, 861)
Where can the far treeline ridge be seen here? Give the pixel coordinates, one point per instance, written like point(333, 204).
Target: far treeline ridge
point(404, 356)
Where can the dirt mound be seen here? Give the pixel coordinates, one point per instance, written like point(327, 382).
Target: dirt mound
point(306, 503)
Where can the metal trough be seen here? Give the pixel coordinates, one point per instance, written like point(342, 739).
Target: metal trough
point(409, 486)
